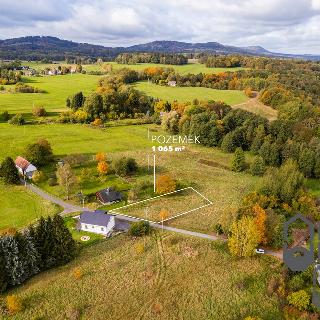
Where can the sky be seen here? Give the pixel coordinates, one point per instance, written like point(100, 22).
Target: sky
point(289, 26)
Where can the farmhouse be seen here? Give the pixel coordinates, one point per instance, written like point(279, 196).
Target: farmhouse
point(100, 222)
point(172, 83)
point(108, 196)
point(25, 167)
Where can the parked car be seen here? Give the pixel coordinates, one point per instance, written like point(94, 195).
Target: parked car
point(259, 250)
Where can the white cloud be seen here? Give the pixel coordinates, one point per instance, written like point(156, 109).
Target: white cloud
point(281, 25)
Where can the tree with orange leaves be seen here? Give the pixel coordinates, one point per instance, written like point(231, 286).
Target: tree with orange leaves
point(260, 218)
point(165, 184)
point(101, 157)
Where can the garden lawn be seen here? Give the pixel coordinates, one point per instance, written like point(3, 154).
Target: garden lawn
point(173, 277)
point(57, 88)
point(19, 207)
point(184, 94)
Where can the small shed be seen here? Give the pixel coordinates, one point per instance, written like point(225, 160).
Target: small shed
point(109, 196)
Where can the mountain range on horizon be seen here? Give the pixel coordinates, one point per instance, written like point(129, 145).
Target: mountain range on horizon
point(39, 47)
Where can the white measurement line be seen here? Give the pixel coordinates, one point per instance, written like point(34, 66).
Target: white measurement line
point(201, 195)
point(157, 197)
point(186, 212)
point(149, 199)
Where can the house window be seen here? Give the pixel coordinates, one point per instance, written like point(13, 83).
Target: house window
point(102, 229)
point(86, 226)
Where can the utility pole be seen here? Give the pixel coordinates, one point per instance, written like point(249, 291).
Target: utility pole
point(154, 173)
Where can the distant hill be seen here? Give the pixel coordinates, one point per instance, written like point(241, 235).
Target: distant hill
point(42, 47)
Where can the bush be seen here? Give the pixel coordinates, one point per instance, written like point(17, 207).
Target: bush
point(299, 299)
point(165, 184)
point(52, 182)
point(14, 304)
point(39, 112)
point(238, 162)
point(5, 116)
point(17, 120)
point(139, 229)
point(125, 166)
point(38, 176)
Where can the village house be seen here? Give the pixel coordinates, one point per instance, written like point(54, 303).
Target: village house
point(100, 222)
point(24, 167)
point(108, 196)
point(172, 83)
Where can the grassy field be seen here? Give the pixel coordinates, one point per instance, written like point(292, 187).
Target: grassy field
point(184, 94)
point(193, 68)
point(72, 138)
point(174, 204)
point(19, 207)
point(57, 88)
point(160, 283)
point(222, 186)
point(255, 106)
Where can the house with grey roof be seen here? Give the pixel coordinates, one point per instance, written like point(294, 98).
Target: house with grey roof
point(109, 196)
point(100, 222)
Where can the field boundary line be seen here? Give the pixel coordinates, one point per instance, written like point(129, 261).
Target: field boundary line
point(115, 211)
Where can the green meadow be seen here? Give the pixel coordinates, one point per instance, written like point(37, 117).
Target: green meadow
point(57, 88)
point(19, 207)
point(72, 138)
point(184, 94)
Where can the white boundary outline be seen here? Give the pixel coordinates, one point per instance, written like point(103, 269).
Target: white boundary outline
point(163, 195)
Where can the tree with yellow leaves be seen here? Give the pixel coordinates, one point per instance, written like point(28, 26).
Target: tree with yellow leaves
point(244, 237)
point(102, 167)
point(160, 106)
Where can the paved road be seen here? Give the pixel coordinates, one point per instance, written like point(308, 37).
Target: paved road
point(69, 208)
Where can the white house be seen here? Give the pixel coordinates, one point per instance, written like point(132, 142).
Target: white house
point(24, 167)
point(100, 222)
point(172, 83)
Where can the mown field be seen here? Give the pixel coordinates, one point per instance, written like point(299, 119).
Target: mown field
point(19, 207)
point(57, 88)
point(171, 277)
point(184, 94)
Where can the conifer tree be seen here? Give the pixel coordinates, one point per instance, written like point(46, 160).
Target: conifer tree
point(257, 167)
point(65, 247)
point(45, 243)
point(9, 172)
point(29, 255)
point(238, 161)
point(14, 265)
point(3, 271)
